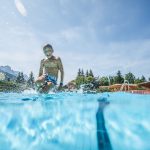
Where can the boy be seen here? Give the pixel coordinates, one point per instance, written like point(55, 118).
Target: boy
point(48, 72)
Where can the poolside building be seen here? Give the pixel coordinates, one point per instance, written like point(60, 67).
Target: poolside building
point(145, 85)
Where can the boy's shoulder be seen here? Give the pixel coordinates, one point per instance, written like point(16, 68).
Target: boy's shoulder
point(55, 57)
point(42, 61)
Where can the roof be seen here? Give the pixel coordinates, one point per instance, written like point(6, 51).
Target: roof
point(145, 84)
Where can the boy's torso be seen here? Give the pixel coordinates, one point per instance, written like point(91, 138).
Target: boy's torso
point(51, 66)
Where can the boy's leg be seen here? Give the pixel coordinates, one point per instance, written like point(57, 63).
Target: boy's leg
point(47, 87)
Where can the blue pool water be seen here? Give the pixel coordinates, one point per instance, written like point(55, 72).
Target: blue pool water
point(72, 121)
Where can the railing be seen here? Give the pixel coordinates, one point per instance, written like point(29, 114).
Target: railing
point(125, 86)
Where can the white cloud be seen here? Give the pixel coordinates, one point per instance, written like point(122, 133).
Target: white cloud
point(23, 51)
point(20, 7)
point(71, 34)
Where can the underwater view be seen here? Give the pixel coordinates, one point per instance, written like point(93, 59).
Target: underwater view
point(74, 121)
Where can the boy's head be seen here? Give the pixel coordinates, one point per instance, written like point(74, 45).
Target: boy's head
point(48, 50)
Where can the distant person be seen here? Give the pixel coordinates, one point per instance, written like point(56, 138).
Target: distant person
point(48, 73)
point(103, 140)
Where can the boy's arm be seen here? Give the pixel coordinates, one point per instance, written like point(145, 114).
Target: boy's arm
point(60, 65)
point(41, 68)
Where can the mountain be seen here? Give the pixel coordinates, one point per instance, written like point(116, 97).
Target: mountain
point(8, 69)
point(10, 73)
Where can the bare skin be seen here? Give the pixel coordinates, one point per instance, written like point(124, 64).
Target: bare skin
point(51, 66)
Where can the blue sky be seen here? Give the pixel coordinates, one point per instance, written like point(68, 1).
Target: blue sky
point(102, 35)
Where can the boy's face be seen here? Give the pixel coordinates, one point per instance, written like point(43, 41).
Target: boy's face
point(48, 52)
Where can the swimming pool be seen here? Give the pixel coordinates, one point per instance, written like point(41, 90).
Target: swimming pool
point(73, 121)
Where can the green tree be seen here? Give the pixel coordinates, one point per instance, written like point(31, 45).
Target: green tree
point(137, 81)
point(82, 73)
point(143, 79)
point(140, 80)
point(18, 79)
point(96, 82)
point(87, 73)
point(118, 78)
point(89, 79)
point(79, 80)
point(91, 73)
point(22, 77)
point(79, 72)
point(130, 77)
point(104, 81)
point(30, 81)
point(111, 80)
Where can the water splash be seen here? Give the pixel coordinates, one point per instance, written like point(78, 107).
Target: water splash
point(30, 91)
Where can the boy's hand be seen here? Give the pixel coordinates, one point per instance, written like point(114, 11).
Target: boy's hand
point(49, 83)
point(60, 86)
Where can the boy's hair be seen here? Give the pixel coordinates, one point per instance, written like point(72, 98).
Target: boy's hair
point(48, 46)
